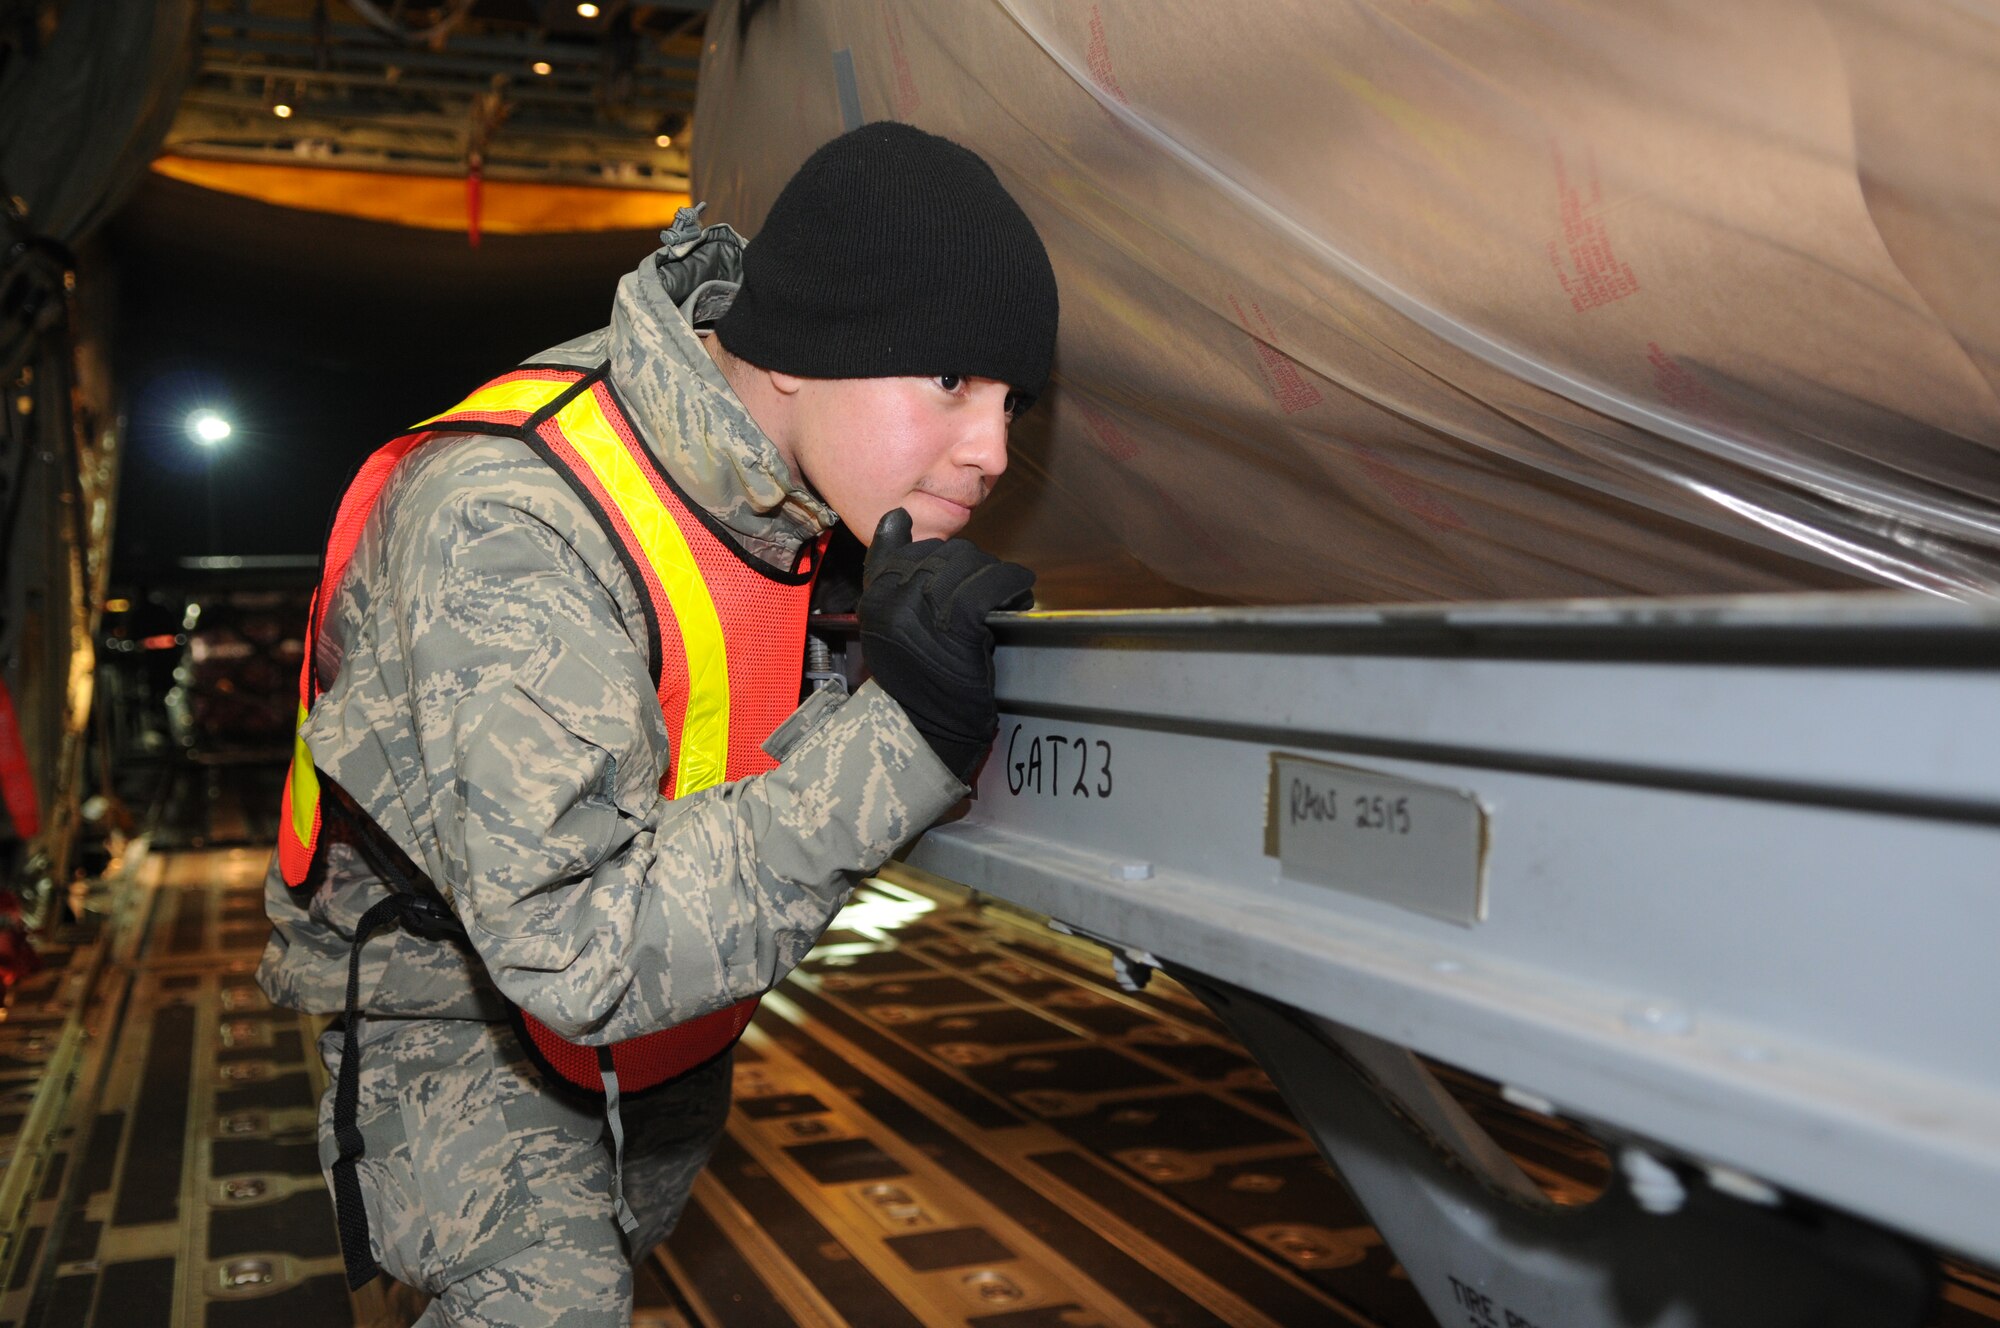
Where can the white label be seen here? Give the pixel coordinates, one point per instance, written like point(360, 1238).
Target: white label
point(1420, 846)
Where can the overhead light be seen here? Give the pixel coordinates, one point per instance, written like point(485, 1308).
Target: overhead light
point(207, 427)
point(586, 11)
point(282, 111)
point(541, 67)
point(664, 141)
point(117, 606)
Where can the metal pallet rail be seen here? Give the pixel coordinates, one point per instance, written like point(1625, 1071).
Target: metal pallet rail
point(1717, 878)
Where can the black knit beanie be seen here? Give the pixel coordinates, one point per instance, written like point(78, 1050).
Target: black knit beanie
point(895, 252)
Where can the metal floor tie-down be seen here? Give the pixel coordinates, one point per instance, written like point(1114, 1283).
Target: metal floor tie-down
point(946, 1117)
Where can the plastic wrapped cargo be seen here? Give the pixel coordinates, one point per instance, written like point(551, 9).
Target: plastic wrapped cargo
point(1457, 299)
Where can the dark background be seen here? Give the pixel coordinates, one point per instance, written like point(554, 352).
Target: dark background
point(319, 338)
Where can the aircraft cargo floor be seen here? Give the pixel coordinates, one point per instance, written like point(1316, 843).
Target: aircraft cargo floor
point(949, 1116)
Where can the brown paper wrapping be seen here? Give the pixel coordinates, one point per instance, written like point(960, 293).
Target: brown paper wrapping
point(1451, 299)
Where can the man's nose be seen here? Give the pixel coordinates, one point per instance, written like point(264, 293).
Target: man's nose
point(984, 444)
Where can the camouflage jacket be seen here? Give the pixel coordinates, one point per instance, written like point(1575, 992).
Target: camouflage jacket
point(493, 713)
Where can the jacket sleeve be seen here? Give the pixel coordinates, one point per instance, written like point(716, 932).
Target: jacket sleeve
point(529, 783)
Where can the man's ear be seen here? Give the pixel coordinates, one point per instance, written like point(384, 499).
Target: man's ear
point(784, 383)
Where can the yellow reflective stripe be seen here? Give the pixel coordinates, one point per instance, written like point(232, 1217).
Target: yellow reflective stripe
point(305, 783)
point(528, 394)
point(703, 758)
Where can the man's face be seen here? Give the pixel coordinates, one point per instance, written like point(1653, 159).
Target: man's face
point(933, 446)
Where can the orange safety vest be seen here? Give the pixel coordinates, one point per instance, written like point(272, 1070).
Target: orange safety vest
point(727, 655)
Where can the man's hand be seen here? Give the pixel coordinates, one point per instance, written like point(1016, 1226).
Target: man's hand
point(923, 629)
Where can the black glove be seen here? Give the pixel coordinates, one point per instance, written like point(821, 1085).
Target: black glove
point(923, 630)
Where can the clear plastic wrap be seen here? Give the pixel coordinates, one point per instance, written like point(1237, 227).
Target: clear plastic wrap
point(1454, 299)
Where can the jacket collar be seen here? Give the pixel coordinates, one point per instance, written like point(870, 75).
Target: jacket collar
point(691, 419)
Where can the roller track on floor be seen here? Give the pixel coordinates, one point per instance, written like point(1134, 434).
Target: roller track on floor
point(948, 1117)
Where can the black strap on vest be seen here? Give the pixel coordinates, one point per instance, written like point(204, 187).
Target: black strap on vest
point(428, 918)
point(425, 915)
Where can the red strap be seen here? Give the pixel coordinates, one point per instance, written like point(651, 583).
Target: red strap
point(649, 1059)
point(17, 781)
point(472, 206)
point(355, 505)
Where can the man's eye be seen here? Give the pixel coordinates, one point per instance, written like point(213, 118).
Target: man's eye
point(950, 382)
point(1017, 404)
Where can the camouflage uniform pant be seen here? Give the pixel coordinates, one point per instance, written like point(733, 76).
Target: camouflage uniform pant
point(492, 1192)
